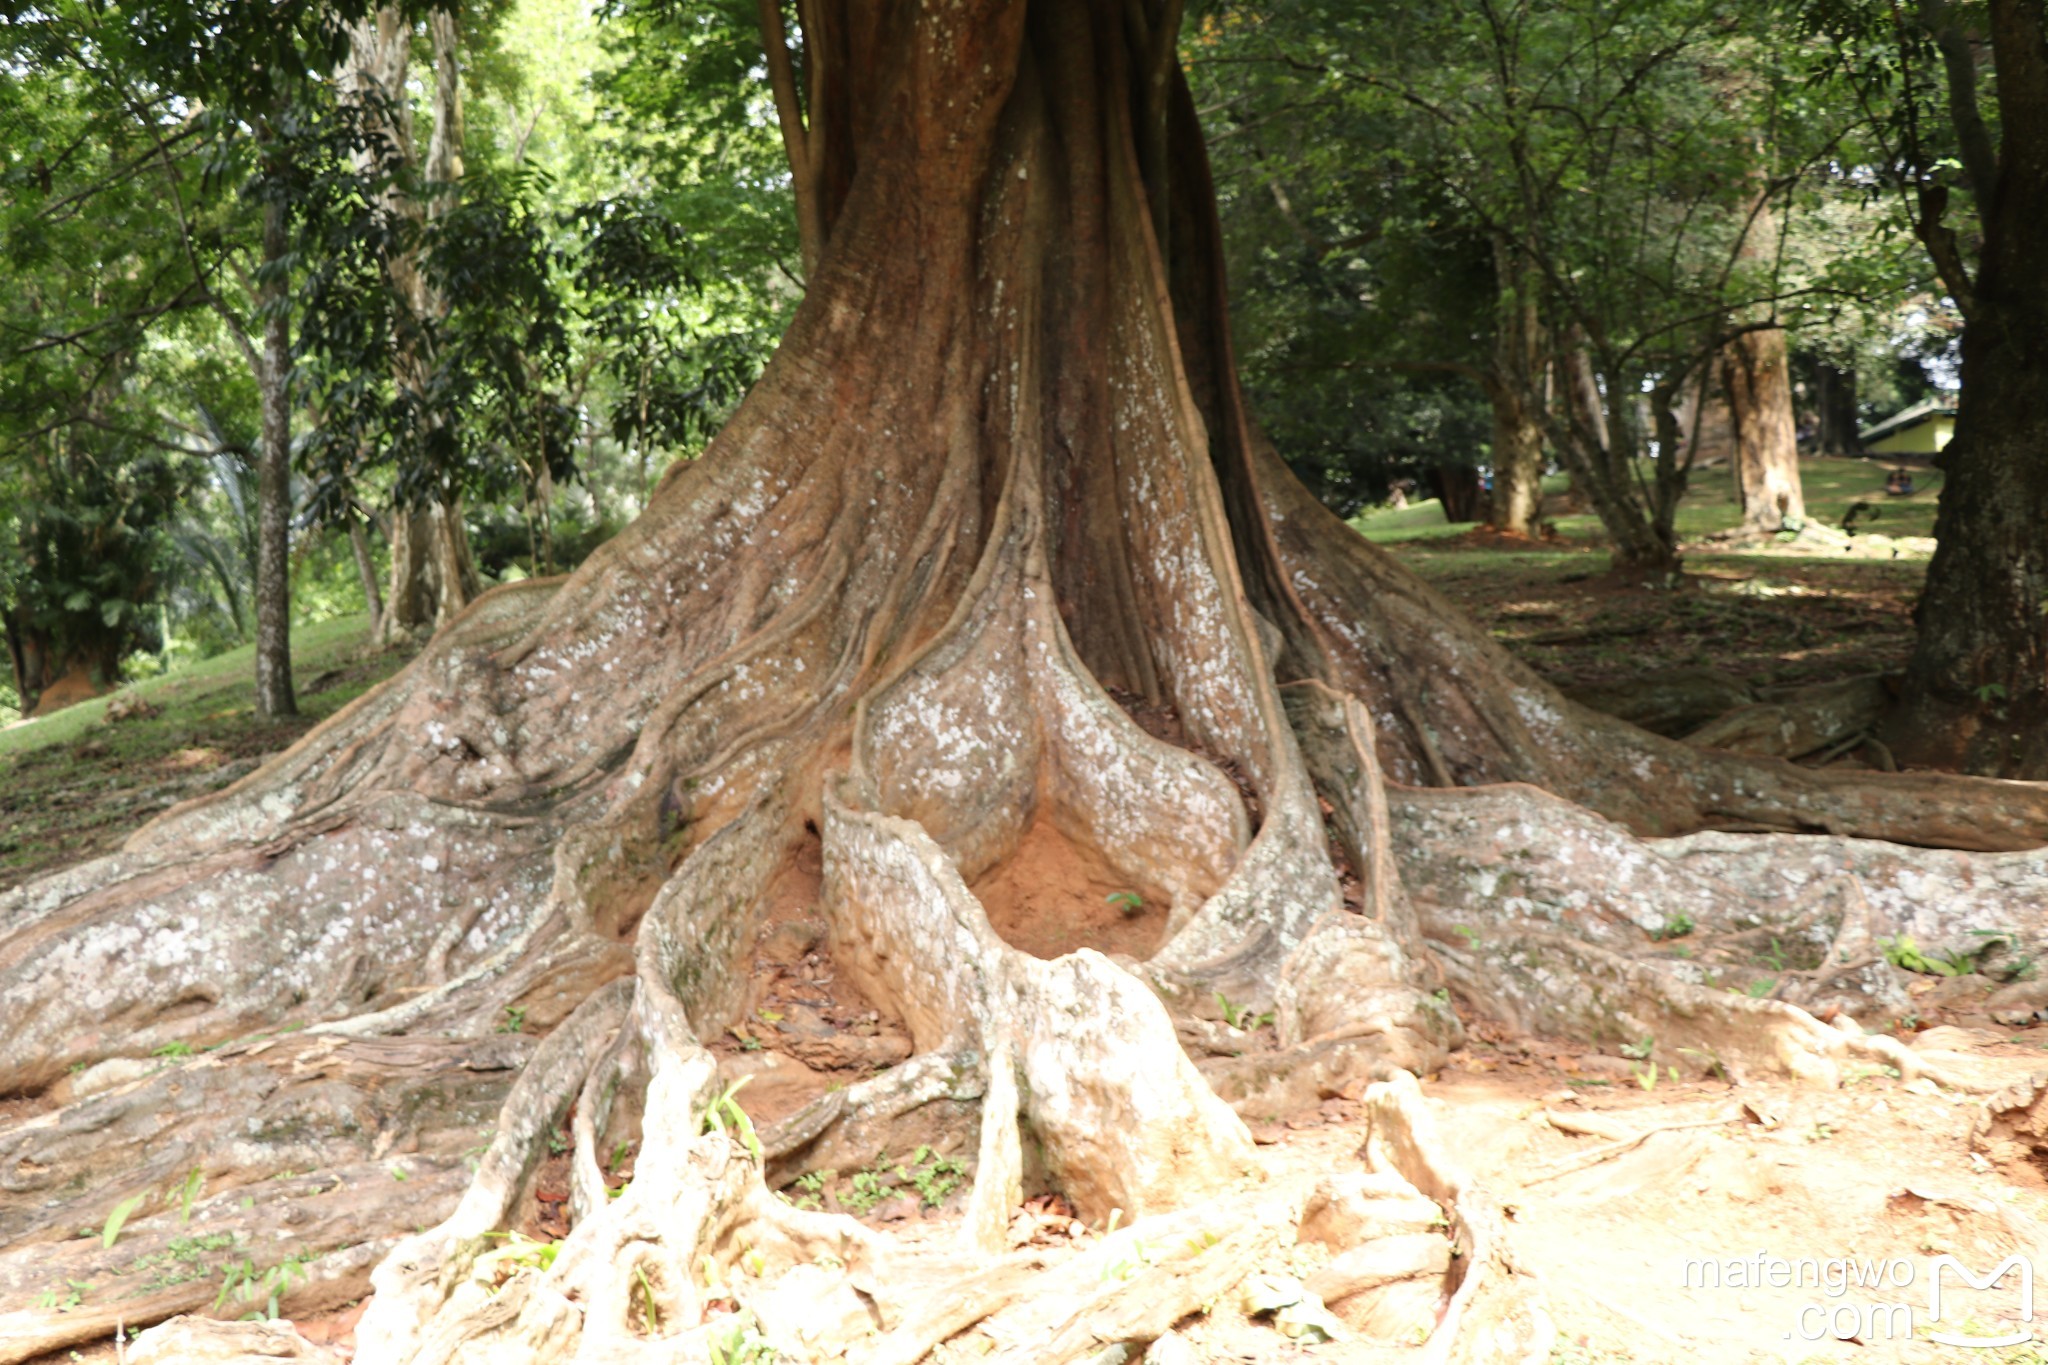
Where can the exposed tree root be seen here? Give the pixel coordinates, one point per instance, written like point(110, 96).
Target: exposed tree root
point(997, 468)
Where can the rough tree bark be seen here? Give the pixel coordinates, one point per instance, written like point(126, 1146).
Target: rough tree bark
point(850, 664)
point(1514, 388)
point(1757, 382)
point(1976, 694)
point(274, 480)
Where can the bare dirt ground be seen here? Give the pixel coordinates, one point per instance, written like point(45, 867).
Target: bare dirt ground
point(1680, 1222)
point(1772, 620)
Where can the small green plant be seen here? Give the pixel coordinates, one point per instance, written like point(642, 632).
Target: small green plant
point(1775, 957)
point(1641, 1050)
point(515, 1020)
point(64, 1300)
point(519, 1253)
point(812, 1184)
point(557, 1144)
point(267, 1288)
point(1761, 987)
point(932, 1176)
point(741, 1346)
point(119, 1218)
point(176, 1051)
point(182, 1262)
point(620, 1150)
point(1468, 933)
point(1905, 954)
point(400, 1174)
point(1991, 692)
point(866, 1189)
point(1130, 902)
point(194, 1178)
point(1241, 1017)
point(1130, 1263)
point(725, 1109)
point(1678, 926)
point(1647, 1077)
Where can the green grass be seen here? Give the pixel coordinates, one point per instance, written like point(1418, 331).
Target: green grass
point(1831, 487)
point(315, 649)
point(73, 785)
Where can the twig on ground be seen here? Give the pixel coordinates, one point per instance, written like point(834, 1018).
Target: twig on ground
point(1579, 1161)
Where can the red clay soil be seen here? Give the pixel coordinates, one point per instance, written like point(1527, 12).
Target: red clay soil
point(1053, 895)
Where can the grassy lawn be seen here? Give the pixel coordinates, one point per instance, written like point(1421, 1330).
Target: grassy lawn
point(1772, 616)
point(1831, 486)
point(74, 784)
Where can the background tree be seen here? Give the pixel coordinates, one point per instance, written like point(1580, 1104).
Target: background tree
point(1957, 97)
point(210, 103)
point(1613, 185)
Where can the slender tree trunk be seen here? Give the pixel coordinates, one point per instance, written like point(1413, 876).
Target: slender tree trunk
point(1600, 442)
point(366, 572)
point(1834, 401)
point(1757, 382)
point(1517, 463)
point(1515, 390)
point(1977, 685)
point(274, 696)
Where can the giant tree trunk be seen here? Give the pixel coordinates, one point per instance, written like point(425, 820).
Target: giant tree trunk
point(1977, 685)
point(1757, 382)
point(274, 485)
point(857, 663)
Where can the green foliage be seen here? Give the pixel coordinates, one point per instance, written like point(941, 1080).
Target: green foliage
point(864, 1190)
point(1430, 205)
point(266, 1287)
point(931, 1175)
point(84, 545)
point(119, 1219)
point(520, 1252)
point(739, 1344)
point(1241, 1016)
point(1674, 926)
point(1130, 902)
point(1902, 952)
point(725, 1110)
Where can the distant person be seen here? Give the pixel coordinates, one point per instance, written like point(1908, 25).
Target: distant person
point(1898, 483)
